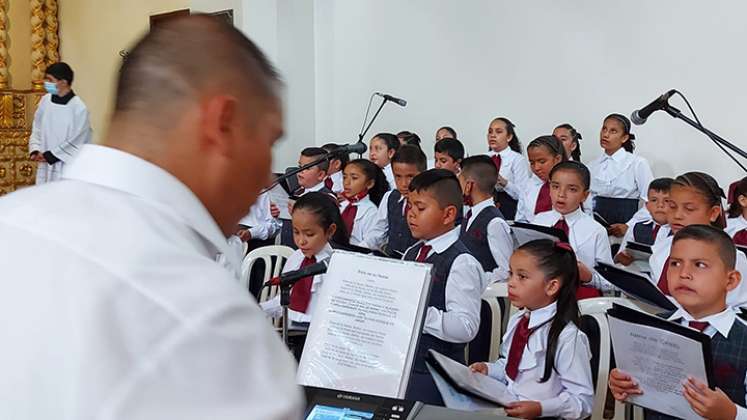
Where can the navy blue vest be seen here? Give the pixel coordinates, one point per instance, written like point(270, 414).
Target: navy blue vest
point(439, 278)
point(476, 237)
point(729, 365)
point(643, 232)
point(286, 230)
point(399, 236)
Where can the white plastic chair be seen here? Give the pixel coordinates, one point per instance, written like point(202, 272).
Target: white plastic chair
point(265, 253)
point(491, 295)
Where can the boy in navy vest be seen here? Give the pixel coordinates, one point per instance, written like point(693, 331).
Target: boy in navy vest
point(457, 282)
point(646, 231)
point(309, 180)
point(483, 230)
point(390, 233)
point(700, 274)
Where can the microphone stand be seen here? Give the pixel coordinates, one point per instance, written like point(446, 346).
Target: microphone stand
point(376, 114)
point(676, 113)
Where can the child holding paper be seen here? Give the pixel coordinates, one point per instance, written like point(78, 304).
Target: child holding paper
point(453, 314)
point(569, 188)
point(545, 358)
point(701, 274)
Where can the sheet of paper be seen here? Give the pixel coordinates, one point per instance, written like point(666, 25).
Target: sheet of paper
point(482, 385)
point(455, 399)
point(660, 362)
point(365, 327)
point(279, 197)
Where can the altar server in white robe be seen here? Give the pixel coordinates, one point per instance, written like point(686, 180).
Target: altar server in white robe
point(115, 306)
point(61, 124)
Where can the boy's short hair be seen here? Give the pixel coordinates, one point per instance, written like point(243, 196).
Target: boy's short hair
point(451, 147)
point(443, 185)
point(411, 154)
point(344, 158)
point(579, 168)
point(391, 141)
point(661, 185)
point(714, 236)
point(61, 71)
point(316, 152)
point(481, 170)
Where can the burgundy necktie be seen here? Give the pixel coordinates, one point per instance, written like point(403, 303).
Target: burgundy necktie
point(518, 343)
point(563, 225)
point(348, 215)
point(423, 253)
point(328, 183)
point(497, 161)
point(663, 284)
point(699, 325)
point(406, 208)
point(656, 231)
point(741, 238)
point(544, 203)
point(301, 293)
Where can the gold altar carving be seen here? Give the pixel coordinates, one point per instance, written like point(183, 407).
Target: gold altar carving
point(53, 40)
point(38, 49)
point(16, 115)
point(3, 44)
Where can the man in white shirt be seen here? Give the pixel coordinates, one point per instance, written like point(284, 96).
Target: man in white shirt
point(114, 304)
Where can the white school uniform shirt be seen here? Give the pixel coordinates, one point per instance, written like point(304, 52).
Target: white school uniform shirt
point(720, 323)
point(463, 294)
point(337, 186)
point(365, 219)
point(261, 223)
point(378, 234)
point(315, 188)
point(569, 392)
point(735, 225)
point(660, 252)
point(641, 215)
point(60, 128)
point(587, 238)
point(499, 239)
point(389, 176)
point(145, 323)
point(528, 199)
point(630, 233)
point(622, 175)
point(515, 169)
point(272, 307)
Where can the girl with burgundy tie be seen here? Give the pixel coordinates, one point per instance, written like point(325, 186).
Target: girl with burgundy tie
point(545, 358)
point(505, 151)
point(364, 184)
point(316, 222)
point(736, 224)
point(544, 153)
point(569, 188)
point(695, 199)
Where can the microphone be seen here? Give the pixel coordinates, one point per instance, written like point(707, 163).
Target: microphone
point(359, 148)
point(640, 116)
point(294, 276)
point(398, 101)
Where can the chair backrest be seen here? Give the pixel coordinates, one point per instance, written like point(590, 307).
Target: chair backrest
point(486, 345)
point(274, 257)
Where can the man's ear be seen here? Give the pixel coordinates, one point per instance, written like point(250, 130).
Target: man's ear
point(219, 119)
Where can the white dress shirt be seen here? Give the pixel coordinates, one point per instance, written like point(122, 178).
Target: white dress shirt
point(718, 323)
point(61, 129)
point(640, 216)
point(461, 319)
point(115, 296)
point(272, 307)
point(365, 219)
point(735, 225)
point(378, 235)
point(389, 173)
point(528, 199)
point(500, 241)
point(588, 240)
point(662, 249)
point(569, 391)
point(261, 223)
point(515, 169)
point(622, 175)
point(337, 185)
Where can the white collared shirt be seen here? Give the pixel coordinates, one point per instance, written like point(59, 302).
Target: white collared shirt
point(622, 175)
point(588, 240)
point(735, 225)
point(718, 323)
point(500, 241)
point(378, 234)
point(315, 188)
point(127, 288)
point(569, 392)
point(365, 219)
point(660, 252)
point(337, 185)
point(515, 169)
point(272, 307)
point(463, 294)
point(261, 223)
point(528, 199)
point(389, 176)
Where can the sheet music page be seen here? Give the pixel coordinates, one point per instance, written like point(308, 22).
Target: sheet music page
point(279, 197)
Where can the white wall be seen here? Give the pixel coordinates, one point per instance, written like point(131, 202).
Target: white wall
point(540, 63)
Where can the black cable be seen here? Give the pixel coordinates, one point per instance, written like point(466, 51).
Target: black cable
point(697, 120)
